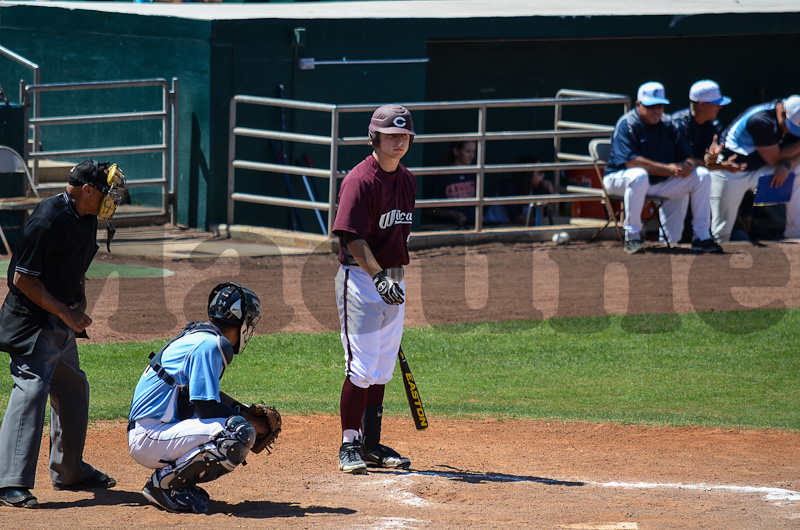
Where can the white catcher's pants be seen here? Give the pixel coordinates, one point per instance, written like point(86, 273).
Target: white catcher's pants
point(727, 191)
point(633, 185)
point(152, 443)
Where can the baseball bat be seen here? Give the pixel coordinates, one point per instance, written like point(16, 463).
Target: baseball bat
point(412, 393)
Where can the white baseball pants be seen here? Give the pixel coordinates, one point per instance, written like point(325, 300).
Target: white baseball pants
point(153, 443)
point(634, 185)
point(371, 329)
point(727, 191)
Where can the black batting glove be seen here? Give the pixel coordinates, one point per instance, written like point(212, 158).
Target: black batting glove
point(388, 288)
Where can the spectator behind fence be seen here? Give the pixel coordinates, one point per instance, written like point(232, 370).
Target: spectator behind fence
point(765, 137)
point(699, 125)
point(526, 182)
point(650, 157)
point(461, 186)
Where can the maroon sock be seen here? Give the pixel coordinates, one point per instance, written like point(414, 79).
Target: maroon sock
point(375, 395)
point(352, 405)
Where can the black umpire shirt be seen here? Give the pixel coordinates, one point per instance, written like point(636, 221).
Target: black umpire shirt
point(56, 245)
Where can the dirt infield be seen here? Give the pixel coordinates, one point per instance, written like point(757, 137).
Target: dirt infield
point(465, 474)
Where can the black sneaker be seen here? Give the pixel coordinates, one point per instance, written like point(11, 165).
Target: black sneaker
point(383, 456)
point(176, 501)
point(633, 246)
point(97, 480)
point(18, 498)
point(708, 246)
point(350, 459)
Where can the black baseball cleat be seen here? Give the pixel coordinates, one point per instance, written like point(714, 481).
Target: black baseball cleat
point(97, 480)
point(708, 246)
point(185, 500)
point(350, 459)
point(17, 498)
point(383, 456)
point(200, 492)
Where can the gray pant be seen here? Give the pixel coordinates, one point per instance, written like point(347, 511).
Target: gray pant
point(53, 369)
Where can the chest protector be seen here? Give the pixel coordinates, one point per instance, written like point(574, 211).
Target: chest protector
point(185, 407)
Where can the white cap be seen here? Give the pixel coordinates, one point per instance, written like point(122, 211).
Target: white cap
point(708, 91)
point(792, 107)
point(651, 93)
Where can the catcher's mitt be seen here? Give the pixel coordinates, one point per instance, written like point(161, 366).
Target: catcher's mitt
point(269, 417)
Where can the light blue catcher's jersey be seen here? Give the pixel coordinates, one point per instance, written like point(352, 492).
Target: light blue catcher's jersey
point(196, 361)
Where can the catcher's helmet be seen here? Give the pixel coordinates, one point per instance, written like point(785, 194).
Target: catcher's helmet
point(237, 306)
point(391, 119)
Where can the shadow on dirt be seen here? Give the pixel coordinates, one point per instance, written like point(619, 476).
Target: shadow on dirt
point(267, 509)
point(101, 498)
point(247, 509)
point(473, 477)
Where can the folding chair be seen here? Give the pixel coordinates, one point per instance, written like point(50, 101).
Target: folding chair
point(12, 162)
point(600, 151)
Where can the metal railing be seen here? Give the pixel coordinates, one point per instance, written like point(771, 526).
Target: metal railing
point(166, 145)
point(30, 65)
point(562, 129)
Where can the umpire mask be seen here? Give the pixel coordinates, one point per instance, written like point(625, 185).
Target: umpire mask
point(115, 189)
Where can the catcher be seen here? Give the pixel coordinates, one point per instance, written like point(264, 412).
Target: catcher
point(180, 423)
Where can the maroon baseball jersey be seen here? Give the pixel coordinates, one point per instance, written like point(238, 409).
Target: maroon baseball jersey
point(378, 207)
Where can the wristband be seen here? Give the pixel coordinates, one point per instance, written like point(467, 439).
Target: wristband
point(787, 165)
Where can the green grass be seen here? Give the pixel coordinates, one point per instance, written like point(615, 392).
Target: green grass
point(588, 369)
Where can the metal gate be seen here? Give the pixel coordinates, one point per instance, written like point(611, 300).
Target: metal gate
point(159, 140)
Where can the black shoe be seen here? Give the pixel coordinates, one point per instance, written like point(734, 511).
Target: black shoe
point(97, 480)
point(708, 246)
point(350, 459)
point(18, 498)
point(633, 246)
point(184, 500)
point(200, 492)
point(383, 456)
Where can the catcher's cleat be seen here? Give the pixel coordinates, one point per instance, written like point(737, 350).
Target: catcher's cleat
point(350, 459)
point(200, 492)
point(184, 500)
point(383, 456)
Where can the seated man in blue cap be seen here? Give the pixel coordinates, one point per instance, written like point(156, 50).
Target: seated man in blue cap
point(649, 156)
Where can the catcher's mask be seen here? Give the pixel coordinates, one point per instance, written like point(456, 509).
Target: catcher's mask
point(106, 178)
point(236, 306)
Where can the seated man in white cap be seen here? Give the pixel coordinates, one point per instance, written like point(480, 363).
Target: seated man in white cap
point(765, 137)
point(649, 156)
point(699, 125)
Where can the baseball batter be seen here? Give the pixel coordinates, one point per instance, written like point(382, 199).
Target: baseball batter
point(43, 312)
point(181, 424)
point(373, 222)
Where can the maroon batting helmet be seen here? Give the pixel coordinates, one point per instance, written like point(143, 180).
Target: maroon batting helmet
point(391, 119)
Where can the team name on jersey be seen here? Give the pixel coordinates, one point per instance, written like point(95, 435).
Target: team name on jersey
point(395, 217)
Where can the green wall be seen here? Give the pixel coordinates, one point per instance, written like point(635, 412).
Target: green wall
point(469, 59)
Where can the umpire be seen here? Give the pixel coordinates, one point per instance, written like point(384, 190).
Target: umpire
point(43, 312)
